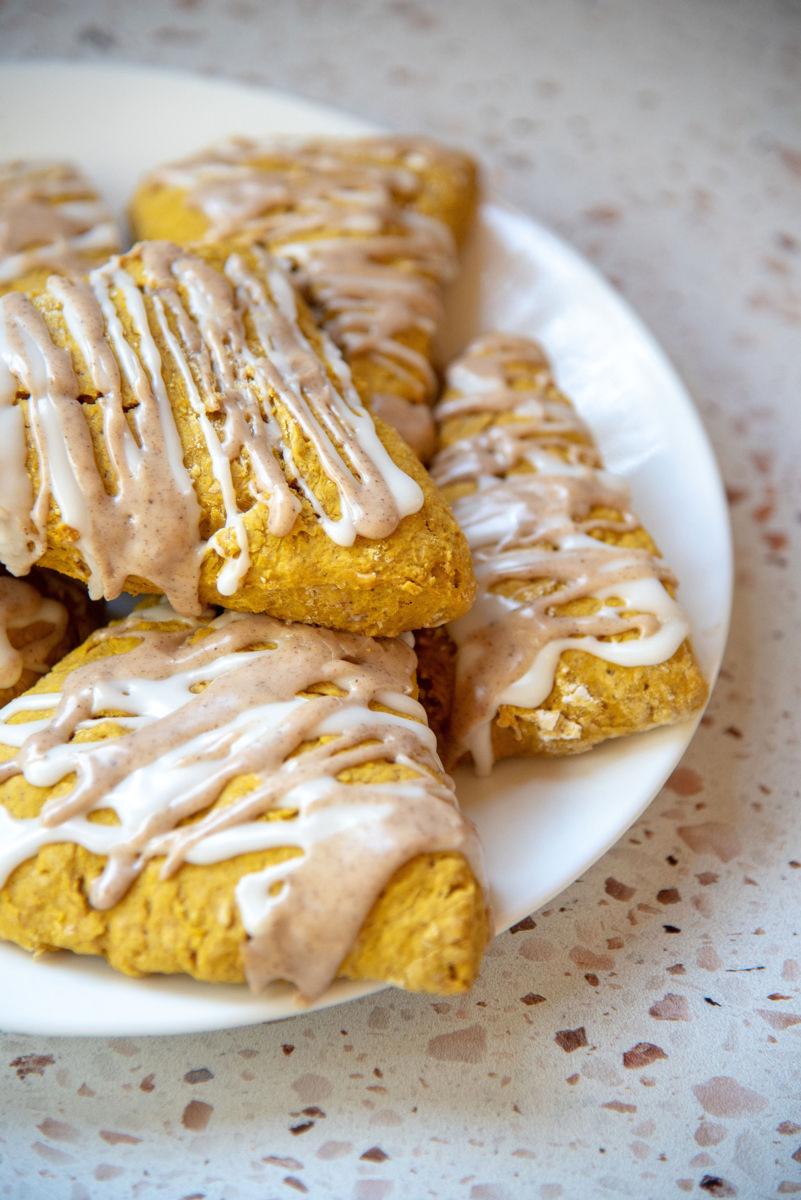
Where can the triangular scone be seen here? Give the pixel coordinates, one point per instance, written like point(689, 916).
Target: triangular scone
point(178, 424)
point(575, 636)
point(51, 220)
point(237, 798)
point(370, 228)
point(42, 617)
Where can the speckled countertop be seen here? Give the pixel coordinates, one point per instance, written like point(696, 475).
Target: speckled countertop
point(641, 1036)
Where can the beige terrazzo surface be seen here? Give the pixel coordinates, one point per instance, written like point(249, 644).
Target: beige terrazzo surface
point(640, 1036)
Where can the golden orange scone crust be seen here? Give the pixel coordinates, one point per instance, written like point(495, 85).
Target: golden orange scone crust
point(240, 478)
point(526, 482)
point(425, 932)
point(370, 227)
point(420, 922)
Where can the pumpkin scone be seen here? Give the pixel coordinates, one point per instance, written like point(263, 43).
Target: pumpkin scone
point(42, 618)
point(370, 228)
point(52, 219)
point(178, 424)
point(237, 798)
point(575, 635)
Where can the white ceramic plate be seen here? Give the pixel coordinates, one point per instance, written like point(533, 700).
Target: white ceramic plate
point(542, 823)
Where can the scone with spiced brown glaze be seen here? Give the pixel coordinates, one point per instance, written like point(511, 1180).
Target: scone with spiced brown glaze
point(52, 220)
point(238, 799)
point(575, 636)
point(370, 228)
point(178, 424)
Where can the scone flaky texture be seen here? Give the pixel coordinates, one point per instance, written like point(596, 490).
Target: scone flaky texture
point(193, 433)
point(239, 798)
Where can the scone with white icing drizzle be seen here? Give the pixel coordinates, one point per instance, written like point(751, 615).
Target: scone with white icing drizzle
point(575, 635)
point(178, 424)
point(237, 798)
point(370, 228)
point(52, 219)
point(42, 618)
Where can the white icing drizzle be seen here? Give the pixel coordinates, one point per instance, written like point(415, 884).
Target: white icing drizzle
point(343, 218)
point(51, 219)
point(145, 520)
point(197, 712)
point(17, 532)
point(536, 483)
point(22, 606)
